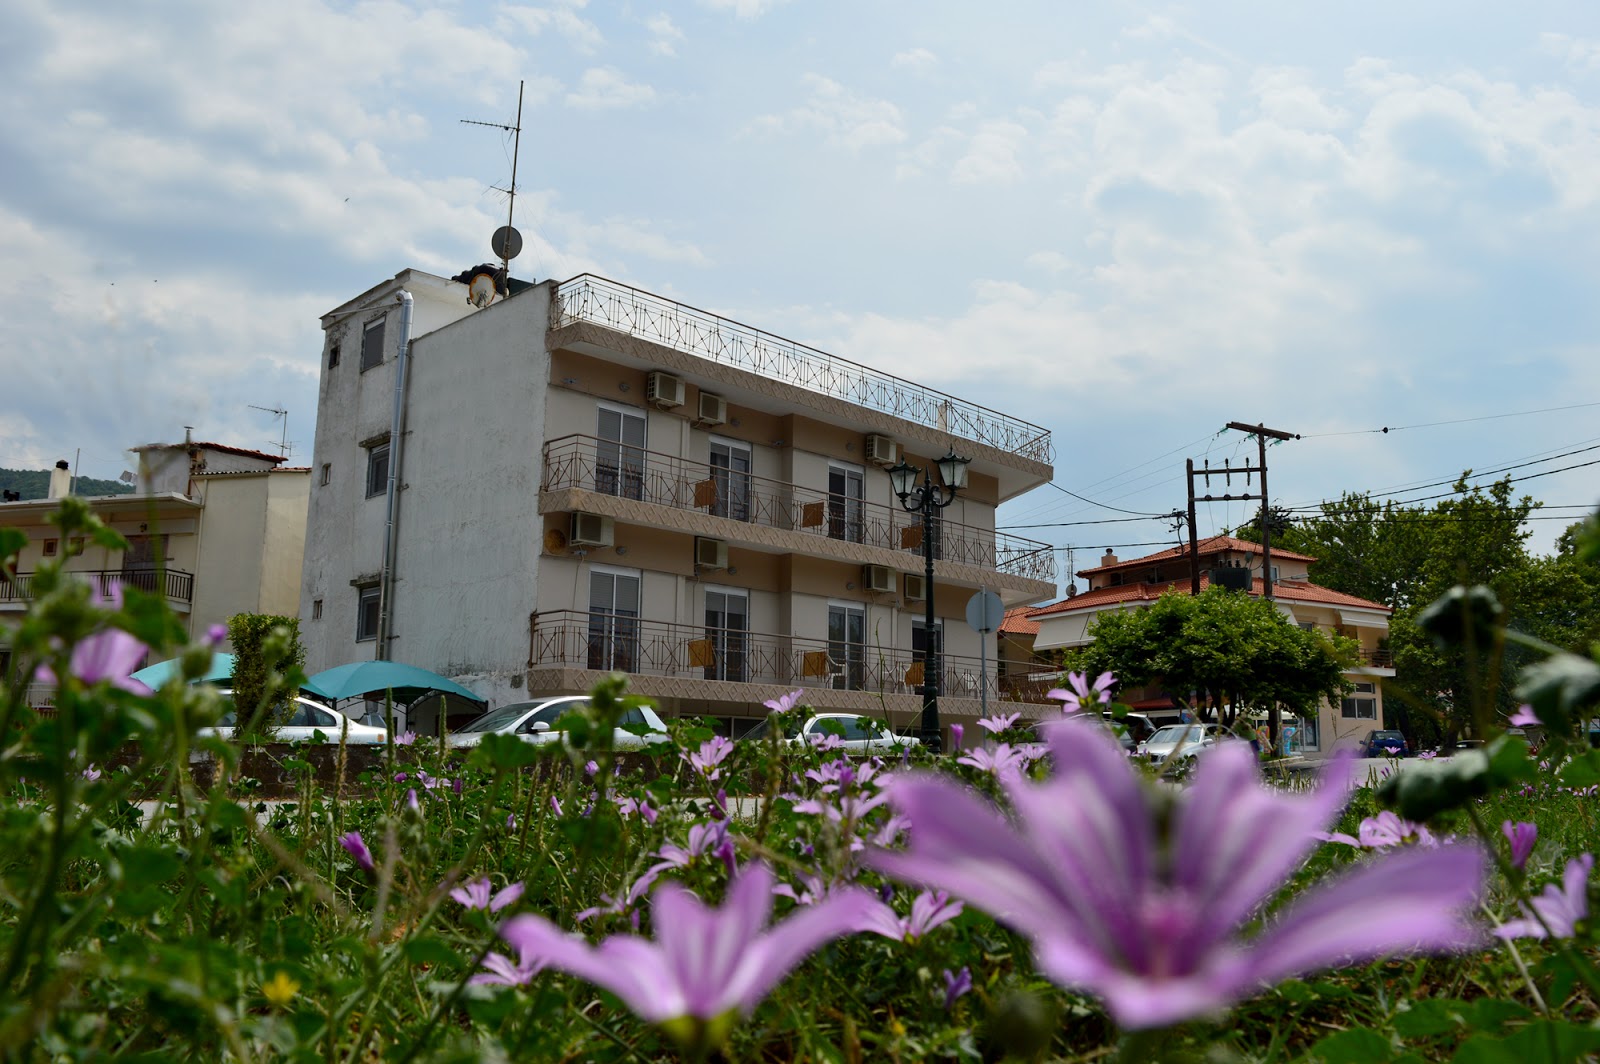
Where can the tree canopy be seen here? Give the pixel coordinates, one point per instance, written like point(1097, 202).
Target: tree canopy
point(1230, 650)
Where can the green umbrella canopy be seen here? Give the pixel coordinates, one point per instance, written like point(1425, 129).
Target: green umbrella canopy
point(376, 677)
point(153, 676)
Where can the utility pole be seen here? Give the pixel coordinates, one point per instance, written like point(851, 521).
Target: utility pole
point(1261, 432)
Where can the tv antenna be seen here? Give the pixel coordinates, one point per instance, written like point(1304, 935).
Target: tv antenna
point(277, 411)
point(506, 241)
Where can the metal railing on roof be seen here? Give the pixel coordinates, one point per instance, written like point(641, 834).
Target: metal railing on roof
point(588, 298)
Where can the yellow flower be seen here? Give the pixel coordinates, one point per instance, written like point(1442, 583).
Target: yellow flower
point(280, 989)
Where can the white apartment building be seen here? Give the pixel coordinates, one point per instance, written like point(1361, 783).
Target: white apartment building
point(591, 477)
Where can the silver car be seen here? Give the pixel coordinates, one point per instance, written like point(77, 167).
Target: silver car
point(855, 732)
point(1181, 742)
point(538, 722)
point(304, 721)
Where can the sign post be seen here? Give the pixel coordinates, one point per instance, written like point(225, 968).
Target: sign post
point(985, 611)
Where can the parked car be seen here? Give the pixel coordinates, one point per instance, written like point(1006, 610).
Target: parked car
point(1130, 730)
point(539, 721)
point(855, 732)
point(305, 721)
point(1385, 742)
point(1181, 742)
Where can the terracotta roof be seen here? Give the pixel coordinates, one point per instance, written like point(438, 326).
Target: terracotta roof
point(223, 447)
point(1209, 545)
point(1019, 621)
point(1288, 590)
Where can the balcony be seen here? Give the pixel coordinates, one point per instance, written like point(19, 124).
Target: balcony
point(1376, 659)
point(178, 586)
point(587, 298)
point(573, 639)
point(589, 464)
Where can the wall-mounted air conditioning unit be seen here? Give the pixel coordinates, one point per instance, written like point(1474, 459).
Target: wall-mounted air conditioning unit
point(591, 530)
point(916, 588)
point(710, 553)
point(877, 578)
point(882, 449)
point(713, 409)
point(663, 389)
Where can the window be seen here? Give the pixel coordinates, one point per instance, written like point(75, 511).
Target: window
point(333, 356)
point(377, 469)
point(316, 609)
point(728, 632)
point(327, 472)
point(1361, 705)
point(619, 452)
point(1309, 735)
point(844, 503)
point(51, 546)
point(847, 644)
point(613, 620)
point(730, 472)
point(367, 613)
point(372, 344)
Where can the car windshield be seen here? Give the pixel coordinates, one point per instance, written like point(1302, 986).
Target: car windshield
point(497, 719)
point(791, 728)
point(1175, 733)
point(1383, 736)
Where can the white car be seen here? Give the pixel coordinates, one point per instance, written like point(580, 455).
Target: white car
point(855, 732)
point(537, 722)
point(306, 719)
point(1181, 742)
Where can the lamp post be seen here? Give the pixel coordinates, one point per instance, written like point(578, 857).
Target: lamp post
point(928, 498)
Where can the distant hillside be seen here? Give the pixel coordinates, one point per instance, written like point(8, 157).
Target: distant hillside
point(35, 484)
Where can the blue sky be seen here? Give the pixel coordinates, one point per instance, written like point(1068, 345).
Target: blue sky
point(1127, 222)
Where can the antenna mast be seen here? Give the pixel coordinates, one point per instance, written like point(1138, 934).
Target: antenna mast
point(506, 249)
point(277, 411)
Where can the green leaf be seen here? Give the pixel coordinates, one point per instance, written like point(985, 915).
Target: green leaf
point(1490, 1015)
point(428, 949)
point(12, 541)
point(148, 864)
point(1428, 1017)
point(1560, 688)
point(1424, 790)
point(1359, 1045)
point(1460, 615)
point(1541, 1042)
point(504, 752)
point(1582, 771)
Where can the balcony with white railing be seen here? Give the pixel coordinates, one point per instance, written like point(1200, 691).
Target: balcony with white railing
point(16, 591)
point(591, 464)
point(587, 298)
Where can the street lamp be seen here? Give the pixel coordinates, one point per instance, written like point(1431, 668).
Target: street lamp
point(928, 497)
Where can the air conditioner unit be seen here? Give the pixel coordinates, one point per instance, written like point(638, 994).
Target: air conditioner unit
point(877, 578)
point(591, 530)
point(663, 389)
point(882, 449)
point(916, 588)
point(710, 553)
point(713, 409)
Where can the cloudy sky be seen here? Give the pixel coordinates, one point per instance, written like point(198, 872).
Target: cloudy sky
point(1130, 223)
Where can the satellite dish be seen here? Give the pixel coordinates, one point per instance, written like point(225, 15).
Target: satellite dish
point(480, 290)
point(506, 242)
point(555, 541)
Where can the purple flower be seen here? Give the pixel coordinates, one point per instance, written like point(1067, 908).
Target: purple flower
point(928, 911)
point(400, 777)
point(405, 738)
point(709, 756)
point(825, 742)
point(91, 774)
point(957, 733)
point(1149, 917)
point(475, 895)
point(1521, 835)
point(1081, 691)
point(111, 656)
point(1383, 831)
point(1559, 908)
point(511, 821)
point(999, 722)
point(555, 804)
point(786, 702)
point(499, 971)
point(955, 986)
point(457, 785)
point(358, 849)
point(591, 769)
point(705, 966)
point(216, 635)
point(1525, 717)
point(1001, 761)
point(411, 800)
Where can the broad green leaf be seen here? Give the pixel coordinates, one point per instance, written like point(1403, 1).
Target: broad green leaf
point(1428, 1017)
point(1358, 1045)
point(1560, 688)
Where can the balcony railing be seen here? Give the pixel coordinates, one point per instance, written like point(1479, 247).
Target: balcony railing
point(177, 585)
point(611, 469)
point(650, 317)
point(607, 641)
point(1382, 659)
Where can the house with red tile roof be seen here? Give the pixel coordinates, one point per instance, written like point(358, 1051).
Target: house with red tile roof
point(1123, 585)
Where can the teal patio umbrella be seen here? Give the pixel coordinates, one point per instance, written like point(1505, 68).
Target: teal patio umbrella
point(153, 676)
point(377, 677)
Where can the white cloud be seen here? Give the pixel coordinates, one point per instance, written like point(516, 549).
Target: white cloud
point(915, 59)
point(991, 156)
point(607, 87)
point(664, 35)
point(580, 34)
point(845, 119)
point(744, 9)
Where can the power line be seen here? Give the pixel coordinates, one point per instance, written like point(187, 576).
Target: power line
point(1102, 505)
point(1456, 421)
point(1448, 494)
point(1072, 524)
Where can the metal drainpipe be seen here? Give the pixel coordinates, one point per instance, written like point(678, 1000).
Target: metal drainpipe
point(392, 501)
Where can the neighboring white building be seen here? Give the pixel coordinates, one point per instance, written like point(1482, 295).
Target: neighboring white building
point(594, 477)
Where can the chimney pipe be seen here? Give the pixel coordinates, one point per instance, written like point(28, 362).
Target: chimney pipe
point(60, 480)
point(1108, 558)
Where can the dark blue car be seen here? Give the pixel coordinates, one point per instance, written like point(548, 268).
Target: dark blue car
point(1385, 743)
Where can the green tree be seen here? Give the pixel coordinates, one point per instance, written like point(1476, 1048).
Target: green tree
point(268, 661)
point(1233, 651)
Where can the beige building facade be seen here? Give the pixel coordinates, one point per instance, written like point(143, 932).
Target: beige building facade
point(592, 477)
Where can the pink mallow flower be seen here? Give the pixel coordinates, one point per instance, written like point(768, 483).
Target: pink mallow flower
point(955, 984)
point(1382, 832)
point(785, 703)
point(1079, 692)
point(110, 655)
point(500, 971)
point(357, 848)
point(928, 910)
point(709, 756)
point(1558, 910)
point(1139, 897)
point(999, 722)
point(1002, 761)
point(475, 895)
point(405, 738)
point(1525, 717)
point(957, 733)
point(1522, 836)
point(705, 967)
